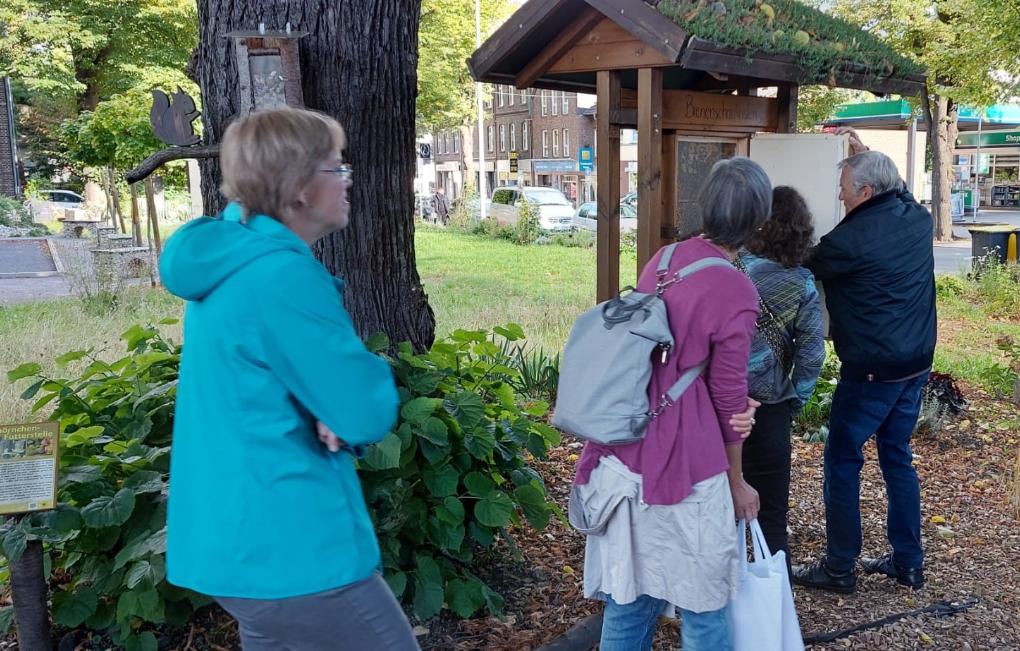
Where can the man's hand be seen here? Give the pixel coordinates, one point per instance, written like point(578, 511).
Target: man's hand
point(743, 422)
point(745, 500)
point(332, 442)
point(856, 146)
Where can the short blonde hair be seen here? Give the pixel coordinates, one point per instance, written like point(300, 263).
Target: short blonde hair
point(269, 156)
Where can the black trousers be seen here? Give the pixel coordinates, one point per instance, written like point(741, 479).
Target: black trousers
point(766, 458)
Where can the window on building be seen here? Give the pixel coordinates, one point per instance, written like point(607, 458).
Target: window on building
point(513, 137)
point(524, 98)
point(556, 143)
point(545, 102)
point(566, 143)
point(456, 143)
point(439, 144)
point(545, 144)
point(566, 103)
point(488, 139)
point(501, 95)
point(488, 99)
point(502, 137)
point(525, 139)
point(555, 103)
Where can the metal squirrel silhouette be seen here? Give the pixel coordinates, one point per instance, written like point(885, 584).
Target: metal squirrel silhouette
point(171, 120)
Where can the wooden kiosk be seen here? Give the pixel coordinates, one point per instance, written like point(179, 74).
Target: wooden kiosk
point(696, 79)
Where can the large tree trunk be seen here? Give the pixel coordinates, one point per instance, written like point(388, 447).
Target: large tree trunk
point(31, 613)
point(358, 65)
point(941, 117)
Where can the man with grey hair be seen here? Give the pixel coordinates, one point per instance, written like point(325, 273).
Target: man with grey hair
point(877, 268)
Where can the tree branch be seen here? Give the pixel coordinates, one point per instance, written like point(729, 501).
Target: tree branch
point(153, 162)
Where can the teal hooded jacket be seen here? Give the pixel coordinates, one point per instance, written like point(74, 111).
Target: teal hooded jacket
point(258, 507)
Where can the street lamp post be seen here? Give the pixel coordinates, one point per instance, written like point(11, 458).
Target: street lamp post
point(481, 119)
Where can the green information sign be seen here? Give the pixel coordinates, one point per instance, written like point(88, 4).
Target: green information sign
point(989, 139)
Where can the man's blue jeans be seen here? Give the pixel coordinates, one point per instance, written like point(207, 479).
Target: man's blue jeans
point(631, 627)
point(887, 410)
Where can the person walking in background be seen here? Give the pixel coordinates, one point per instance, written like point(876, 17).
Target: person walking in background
point(877, 267)
point(786, 355)
point(442, 206)
point(277, 394)
point(670, 538)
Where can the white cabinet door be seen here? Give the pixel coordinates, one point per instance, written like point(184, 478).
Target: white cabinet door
point(807, 163)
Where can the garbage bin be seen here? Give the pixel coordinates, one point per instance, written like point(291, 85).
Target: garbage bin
point(990, 241)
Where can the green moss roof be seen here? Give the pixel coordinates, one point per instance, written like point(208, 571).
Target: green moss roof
point(822, 43)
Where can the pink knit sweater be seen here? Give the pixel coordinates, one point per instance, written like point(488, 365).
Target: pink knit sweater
point(712, 315)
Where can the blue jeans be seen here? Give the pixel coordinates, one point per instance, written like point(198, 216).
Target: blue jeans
point(631, 627)
point(887, 410)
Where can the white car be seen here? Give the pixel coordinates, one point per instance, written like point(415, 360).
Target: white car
point(42, 209)
point(586, 217)
point(555, 212)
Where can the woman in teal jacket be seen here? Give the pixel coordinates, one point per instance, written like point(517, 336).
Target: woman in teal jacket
point(277, 394)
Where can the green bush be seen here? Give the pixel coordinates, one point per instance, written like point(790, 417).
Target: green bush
point(575, 239)
point(813, 420)
point(13, 213)
point(442, 487)
point(949, 286)
point(527, 229)
point(997, 288)
point(489, 227)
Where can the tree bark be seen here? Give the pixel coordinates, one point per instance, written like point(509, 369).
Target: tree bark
point(28, 587)
point(116, 203)
point(358, 64)
point(150, 209)
point(941, 117)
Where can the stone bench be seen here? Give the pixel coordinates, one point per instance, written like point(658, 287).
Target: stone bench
point(116, 264)
point(79, 228)
point(114, 241)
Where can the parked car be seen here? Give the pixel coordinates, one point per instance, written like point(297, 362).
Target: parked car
point(586, 217)
point(42, 209)
point(555, 212)
point(630, 199)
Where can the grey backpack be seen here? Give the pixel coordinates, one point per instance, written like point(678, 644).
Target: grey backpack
point(607, 364)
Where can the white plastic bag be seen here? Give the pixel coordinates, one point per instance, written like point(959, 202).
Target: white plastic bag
point(763, 617)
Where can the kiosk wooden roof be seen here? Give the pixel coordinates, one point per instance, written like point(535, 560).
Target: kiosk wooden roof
point(680, 68)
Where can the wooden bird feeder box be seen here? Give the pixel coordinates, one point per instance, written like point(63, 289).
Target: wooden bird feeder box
point(268, 69)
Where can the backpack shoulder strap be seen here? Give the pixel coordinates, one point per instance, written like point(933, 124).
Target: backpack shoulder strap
point(664, 280)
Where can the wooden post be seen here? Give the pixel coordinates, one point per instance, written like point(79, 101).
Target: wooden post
point(669, 215)
point(788, 108)
point(150, 206)
point(649, 164)
point(607, 154)
point(136, 223)
point(115, 193)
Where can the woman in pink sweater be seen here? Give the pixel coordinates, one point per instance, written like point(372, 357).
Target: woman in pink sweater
point(667, 505)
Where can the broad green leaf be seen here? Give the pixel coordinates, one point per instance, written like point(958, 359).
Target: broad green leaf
point(30, 392)
point(42, 402)
point(143, 642)
point(109, 511)
point(480, 443)
point(465, 597)
point(428, 587)
point(434, 431)
point(398, 583)
point(452, 510)
point(466, 407)
point(104, 617)
point(531, 497)
point(23, 371)
point(551, 435)
point(418, 410)
point(146, 543)
point(81, 474)
point(71, 609)
point(142, 603)
point(442, 481)
point(506, 395)
point(435, 454)
point(72, 356)
point(145, 481)
point(385, 454)
point(6, 619)
point(146, 573)
point(82, 436)
point(448, 537)
point(493, 600)
point(494, 510)
point(510, 332)
point(378, 343)
point(479, 485)
point(63, 519)
point(15, 541)
point(168, 321)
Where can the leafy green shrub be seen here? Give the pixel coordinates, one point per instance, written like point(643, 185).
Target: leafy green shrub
point(575, 239)
point(527, 229)
point(813, 420)
point(949, 286)
point(454, 474)
point(443, 486)
point(997, 288)
point(108, 534)
point(538, 372)
point(13, 213)
point(489, 227)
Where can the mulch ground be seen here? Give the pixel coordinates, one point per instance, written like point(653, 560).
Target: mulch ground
point(971, 538)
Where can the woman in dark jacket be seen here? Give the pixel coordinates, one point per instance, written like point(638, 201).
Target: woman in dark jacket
point(787, 353)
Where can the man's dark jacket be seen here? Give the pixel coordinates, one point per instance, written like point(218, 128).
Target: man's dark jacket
point(878, 271)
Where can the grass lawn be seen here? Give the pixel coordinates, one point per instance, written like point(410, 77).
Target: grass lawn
point(472, 282)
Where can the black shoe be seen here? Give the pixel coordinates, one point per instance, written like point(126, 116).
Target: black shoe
point(819, 575)
point(912, 578)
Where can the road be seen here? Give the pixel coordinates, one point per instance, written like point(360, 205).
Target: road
point(956, 258)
